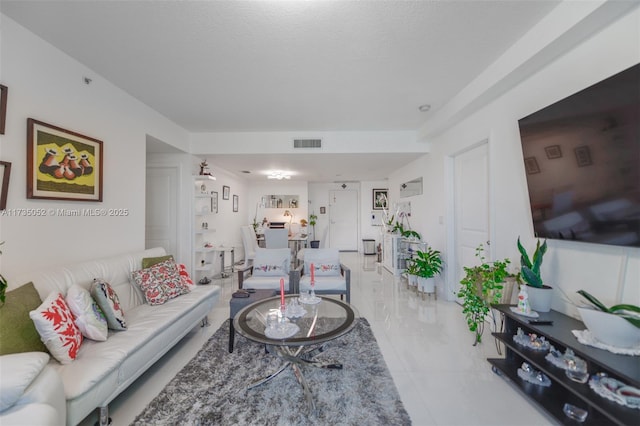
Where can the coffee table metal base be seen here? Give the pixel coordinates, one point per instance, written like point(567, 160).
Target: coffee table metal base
point(295, 360)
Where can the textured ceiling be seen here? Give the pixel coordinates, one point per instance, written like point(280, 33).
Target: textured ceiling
point(284, 65)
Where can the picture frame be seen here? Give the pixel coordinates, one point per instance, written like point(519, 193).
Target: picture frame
point(583, 156)
point(214, 202)
point(553, 151)
point(531, 165)
point(323, 210)
point(5, 174)
point(63, 164)
point(4, 93)
point(380, 199)
point(225, 192)
point(235, 203)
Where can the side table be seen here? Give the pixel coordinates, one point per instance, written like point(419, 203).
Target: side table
point(237, 303)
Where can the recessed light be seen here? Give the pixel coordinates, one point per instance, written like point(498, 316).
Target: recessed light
point(424, 108)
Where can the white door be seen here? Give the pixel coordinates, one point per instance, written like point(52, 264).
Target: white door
point(343, 220)
point(471, 207)
point(161, 208)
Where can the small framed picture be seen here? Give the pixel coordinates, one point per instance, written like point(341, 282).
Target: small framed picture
point(5, 173)
point(235, 203)
point(553, 151)
point(380, 200)
point(531, 165)
point(323, 210)
point(214, 202)
point(583, 156)
point(225, 192)
point(4, 91)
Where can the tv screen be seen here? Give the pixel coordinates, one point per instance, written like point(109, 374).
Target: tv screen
point(582, 163)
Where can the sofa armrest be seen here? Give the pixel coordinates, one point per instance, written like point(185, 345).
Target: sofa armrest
point(241, 274)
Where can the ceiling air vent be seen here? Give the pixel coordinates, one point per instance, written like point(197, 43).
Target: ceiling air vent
point(307, 143)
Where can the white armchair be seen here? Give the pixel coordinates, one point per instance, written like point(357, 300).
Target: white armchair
point(269, 266)
point(331, 276)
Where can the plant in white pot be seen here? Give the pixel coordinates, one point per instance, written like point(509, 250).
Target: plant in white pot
point(412, 273)
point(617, 326)
point(429, 264)
point(539, 293)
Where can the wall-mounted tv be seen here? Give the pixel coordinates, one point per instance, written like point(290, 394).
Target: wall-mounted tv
point(582, 163)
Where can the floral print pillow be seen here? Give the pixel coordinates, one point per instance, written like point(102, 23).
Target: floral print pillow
point(161, 282)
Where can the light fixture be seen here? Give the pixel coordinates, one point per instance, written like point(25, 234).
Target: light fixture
point(279, 175)
point(424, 108)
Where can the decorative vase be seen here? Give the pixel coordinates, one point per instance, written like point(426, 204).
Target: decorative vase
point(427, 285)
point(412, 280)
point(540, 298)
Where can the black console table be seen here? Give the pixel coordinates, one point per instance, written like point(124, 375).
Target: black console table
point(562, 389)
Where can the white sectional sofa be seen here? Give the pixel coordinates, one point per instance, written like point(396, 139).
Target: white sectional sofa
point(102, 370)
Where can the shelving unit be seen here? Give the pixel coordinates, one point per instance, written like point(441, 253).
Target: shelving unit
point(564, 390)
point(203, 227)
point(392, 258)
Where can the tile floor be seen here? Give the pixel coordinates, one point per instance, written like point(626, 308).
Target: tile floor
point(441, 377)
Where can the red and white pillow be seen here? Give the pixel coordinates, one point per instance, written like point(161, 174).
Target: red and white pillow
point(88, 315)
point(161, 282)
point(54, 321)
point(186, 278)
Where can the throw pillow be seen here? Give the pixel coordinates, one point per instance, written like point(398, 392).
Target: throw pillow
point(54, 322)
point(322, 267)
point(17, 332)
point(269, 269)
point(160, 283)
point(148, 262)
point(184, 275)
point(108, 301)
point(88, 315)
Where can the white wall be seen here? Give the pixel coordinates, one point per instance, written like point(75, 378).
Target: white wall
point(47, 85)
point(610, 273)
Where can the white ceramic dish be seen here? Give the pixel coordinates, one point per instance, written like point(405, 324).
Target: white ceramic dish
point(610, 329)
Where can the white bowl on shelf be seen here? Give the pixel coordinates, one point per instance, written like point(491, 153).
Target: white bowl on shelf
point(610, 329)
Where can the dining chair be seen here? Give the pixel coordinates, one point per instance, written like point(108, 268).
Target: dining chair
point(250, 243)
point(276, 238)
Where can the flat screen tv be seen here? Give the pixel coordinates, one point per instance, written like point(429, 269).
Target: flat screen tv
point(582, 163)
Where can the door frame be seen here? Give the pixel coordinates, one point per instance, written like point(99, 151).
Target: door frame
point(451, 226)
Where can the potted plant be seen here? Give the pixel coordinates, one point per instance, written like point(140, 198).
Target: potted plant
point(313, 219)
point(539, 293)
point(617, 326)
point(428, 264)
point(481, 287)
point(412, 273)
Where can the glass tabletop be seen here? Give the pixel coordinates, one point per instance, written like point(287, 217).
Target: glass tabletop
point(326, 320)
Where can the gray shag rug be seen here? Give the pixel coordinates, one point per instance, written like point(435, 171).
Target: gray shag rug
point(211, 388)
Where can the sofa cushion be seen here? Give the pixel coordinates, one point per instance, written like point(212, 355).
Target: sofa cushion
point(18, 371)
point(328, 283)
point(108, 301)
point(272, 262)
point(161, 282)
point(54, 322)
point(265, 283)
point(17, 331)
point(148, 262)
point(184, 275)
point(88, 315)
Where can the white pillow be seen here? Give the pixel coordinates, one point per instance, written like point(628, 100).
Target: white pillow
point(18, 371)
point(323, 267)
point(271, 262)
point(88, 315)
point(54, 321)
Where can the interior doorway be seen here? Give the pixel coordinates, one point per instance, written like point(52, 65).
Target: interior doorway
point(469, 173)
point(343, 220)
point(162, 208)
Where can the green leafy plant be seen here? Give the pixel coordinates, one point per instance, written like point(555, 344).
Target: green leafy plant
point(530, 268)
point(482, 286)
point(411, 234)
point(629, 312)
point(427, 262)
point(313, 219)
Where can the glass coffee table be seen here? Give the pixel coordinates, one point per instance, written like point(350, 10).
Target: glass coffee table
point(299, 338)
